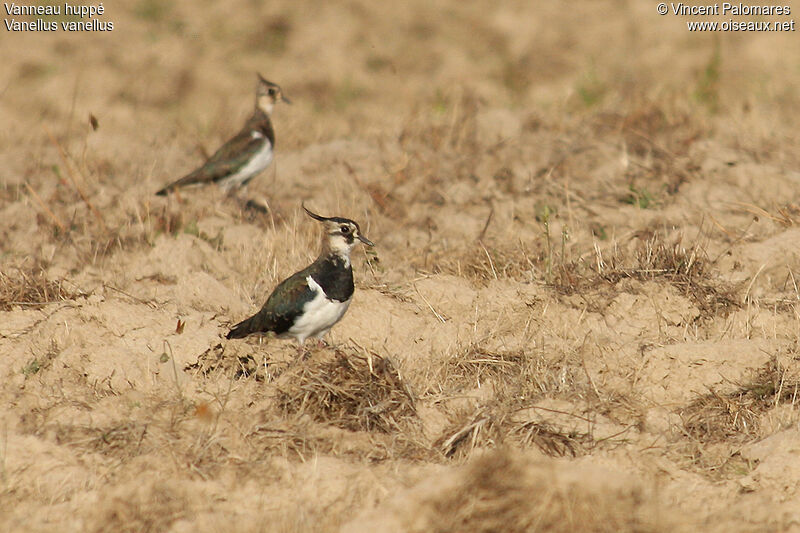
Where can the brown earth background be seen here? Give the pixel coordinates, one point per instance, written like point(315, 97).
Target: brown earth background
point(581, 312)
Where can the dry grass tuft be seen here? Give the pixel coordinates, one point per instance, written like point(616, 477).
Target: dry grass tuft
point(494, 499)
point(215, 360)
point(500, 492)
point(147, 507)
point(716, 425)
point(735, 416)
point(159, 423)
point(658, 139)
point(454, 130)
point(32, 289)
point(122, 440)
point(303, 438)
point(517, 377)
point(655, 258)
point(352, 391)
point(478, 429)
point(290, 439)
point(115, 438)
point(688, 269)
point(169, 222)
point(552, 441)
point(715, 461)
point(786, 215)
point(490, 427)
point(476, 365)
point(517, 381)
point(484, 262)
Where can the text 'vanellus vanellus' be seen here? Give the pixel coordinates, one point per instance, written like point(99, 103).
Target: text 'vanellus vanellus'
point(310, 302)
point(247, 154)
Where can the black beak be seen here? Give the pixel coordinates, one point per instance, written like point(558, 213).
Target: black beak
point(365, 240)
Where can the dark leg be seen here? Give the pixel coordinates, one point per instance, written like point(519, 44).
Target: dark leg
point(302, 352)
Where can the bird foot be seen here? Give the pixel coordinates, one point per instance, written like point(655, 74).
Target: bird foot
point(302, 353)
point(257, 206)
point(252, 206)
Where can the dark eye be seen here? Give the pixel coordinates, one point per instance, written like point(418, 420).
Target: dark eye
point(345, 229)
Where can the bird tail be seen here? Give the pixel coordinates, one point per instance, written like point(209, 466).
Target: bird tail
point(193, 178)
point(242, 329)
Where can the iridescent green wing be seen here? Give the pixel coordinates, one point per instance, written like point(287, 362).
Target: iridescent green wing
point(281, 310)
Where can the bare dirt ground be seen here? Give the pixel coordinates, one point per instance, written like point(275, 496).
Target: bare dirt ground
point(581, 313)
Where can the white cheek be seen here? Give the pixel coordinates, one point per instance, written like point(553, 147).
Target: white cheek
point(266, 104)
point(342, 248)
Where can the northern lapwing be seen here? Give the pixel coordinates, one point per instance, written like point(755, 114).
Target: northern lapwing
point(310, 302)
point(247, 154)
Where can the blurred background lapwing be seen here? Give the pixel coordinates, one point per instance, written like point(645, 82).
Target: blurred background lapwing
point(247, 154)
point(311, 301)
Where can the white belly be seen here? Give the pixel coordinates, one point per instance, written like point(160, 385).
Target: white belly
point(258, 163)
point(319, 315)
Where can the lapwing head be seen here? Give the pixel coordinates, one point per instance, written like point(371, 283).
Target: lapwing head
point(340, 234)
point(267, 94)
